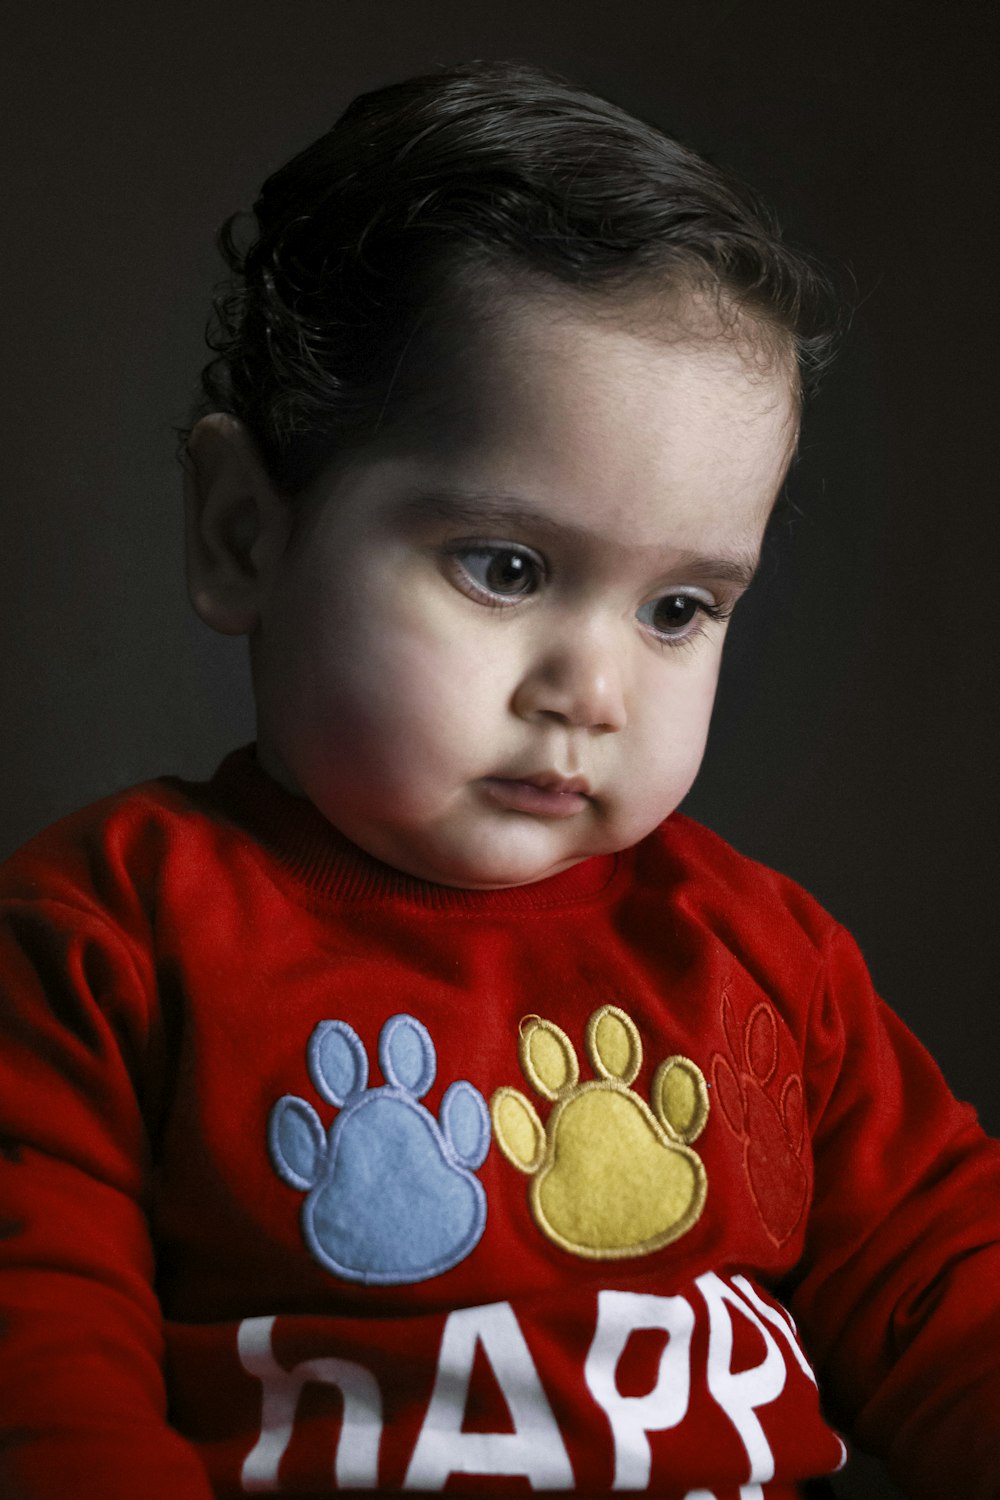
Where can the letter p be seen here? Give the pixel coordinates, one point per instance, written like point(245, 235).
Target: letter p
point(619, 1315)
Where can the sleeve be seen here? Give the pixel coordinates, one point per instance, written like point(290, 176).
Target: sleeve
point(899, 1291)
point(82, 1398)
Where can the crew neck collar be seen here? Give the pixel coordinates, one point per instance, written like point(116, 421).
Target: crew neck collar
point(319, 858)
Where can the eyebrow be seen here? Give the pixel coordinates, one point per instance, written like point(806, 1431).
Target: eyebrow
point(509, 512)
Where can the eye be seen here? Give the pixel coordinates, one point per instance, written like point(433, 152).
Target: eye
point(674, 617)
point(500, 573)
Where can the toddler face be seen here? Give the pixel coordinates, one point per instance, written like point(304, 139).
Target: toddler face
point(491, 652)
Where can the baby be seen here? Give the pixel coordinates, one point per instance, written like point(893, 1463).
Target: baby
point(424, 1102)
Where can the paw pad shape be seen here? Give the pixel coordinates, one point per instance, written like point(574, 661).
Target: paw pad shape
point(391, 1192)
point(771, 1129)
point(610, 1176)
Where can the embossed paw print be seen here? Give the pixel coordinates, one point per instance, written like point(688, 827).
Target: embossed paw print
point(391, 1195)
point(772, 1133)
point(610, 1176)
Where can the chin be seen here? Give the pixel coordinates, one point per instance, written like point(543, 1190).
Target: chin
point(494, 871)
point(502, 874)
point(493, 855)
point(494, 880)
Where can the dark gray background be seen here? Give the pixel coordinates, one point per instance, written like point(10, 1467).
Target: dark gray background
point(855, 743)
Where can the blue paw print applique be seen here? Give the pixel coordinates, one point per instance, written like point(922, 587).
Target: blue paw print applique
point(391, 1192)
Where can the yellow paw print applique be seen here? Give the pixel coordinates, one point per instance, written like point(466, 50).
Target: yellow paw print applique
point(610, 1176)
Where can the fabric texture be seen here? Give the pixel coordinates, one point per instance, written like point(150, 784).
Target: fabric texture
point(314, 1176)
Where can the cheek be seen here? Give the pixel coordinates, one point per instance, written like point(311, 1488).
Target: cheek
point(408, 680)
point(671, 747)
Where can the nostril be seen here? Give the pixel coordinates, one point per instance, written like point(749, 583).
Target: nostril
point(575, 683)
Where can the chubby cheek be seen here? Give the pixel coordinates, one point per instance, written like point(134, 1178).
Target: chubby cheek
point(402, 710)
point(665, 757)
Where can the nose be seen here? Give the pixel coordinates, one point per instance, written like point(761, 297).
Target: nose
point(577, 680)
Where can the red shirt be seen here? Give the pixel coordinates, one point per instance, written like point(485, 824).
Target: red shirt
point(314, 1175)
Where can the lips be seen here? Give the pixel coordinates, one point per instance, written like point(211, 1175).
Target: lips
point(551, 781)
point(543, 793)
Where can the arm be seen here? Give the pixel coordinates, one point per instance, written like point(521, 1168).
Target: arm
point(900, 1292)
point(82, 1399)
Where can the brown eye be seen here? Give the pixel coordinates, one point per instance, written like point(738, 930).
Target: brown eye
point(674, 617)
point(501, 572)
point(673, 612)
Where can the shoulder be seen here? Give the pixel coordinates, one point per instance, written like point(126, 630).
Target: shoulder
point(120, 843)
point(731, 889)
point(739, 927)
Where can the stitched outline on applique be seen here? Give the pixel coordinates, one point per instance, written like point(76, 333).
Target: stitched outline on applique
point(611, 1177)
point(391, 1193)
point(772, 1133)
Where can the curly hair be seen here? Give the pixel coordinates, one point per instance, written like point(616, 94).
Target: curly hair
point(488, 170)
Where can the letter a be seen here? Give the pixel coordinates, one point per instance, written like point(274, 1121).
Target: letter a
point(535, 1447)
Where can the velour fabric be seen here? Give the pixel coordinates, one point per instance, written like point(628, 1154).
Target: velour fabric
point(314, 1176)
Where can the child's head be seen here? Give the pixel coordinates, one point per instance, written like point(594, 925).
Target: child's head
point(508, 384)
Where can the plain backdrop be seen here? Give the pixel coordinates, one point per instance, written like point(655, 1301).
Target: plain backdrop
point(855, 742)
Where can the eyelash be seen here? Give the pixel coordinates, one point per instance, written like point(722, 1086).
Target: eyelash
point(459, 553)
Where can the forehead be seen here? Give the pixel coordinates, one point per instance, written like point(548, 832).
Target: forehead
point(623, 425)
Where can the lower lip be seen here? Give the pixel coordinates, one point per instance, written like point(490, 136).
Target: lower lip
point(524, 796)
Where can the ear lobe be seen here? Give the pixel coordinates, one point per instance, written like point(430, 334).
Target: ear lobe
point(236, 524)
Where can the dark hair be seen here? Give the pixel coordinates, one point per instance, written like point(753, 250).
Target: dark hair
point(489, 169)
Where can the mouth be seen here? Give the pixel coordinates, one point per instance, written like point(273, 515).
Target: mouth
point(546, 794)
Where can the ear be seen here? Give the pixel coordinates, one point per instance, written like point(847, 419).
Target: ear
point(236, 524)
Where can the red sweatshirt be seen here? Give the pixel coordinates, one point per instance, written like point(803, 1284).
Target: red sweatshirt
point(314, 1176)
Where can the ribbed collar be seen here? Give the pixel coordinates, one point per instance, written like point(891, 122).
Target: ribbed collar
point(326, 865)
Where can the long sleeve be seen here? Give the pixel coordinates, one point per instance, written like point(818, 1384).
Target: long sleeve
point(898, 1293)
point(179, 1319)
point(81, 1384)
